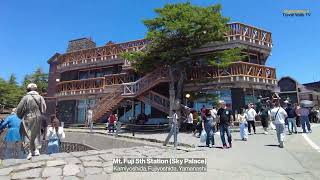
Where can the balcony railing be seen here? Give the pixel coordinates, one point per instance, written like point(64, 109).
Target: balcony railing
point(236, 69)
point(109, 52)
point(86, 86)
point(104, 53)
point(115, 79)
point(242, 32)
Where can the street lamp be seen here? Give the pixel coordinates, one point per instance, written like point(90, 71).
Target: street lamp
point(57, 80)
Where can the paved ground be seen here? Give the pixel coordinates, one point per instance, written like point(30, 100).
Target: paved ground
point(258, 158)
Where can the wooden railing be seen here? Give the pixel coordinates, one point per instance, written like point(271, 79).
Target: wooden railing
point(137, 87)
point(239, 31)
point(92, 85)
point(104, 53)
point(116, 79)
point(234, 69)
point(156, 100)
point(133, 89)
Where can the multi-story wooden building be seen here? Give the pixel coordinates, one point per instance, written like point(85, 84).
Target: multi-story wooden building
point(87, 75)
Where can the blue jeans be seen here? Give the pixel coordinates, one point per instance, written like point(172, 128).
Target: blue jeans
point(210, 135)
point(292, 125)
point(305, 121)
point(225, 129)
point(173, 132)
point(53, 146)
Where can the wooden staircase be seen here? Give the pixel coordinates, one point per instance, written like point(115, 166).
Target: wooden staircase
point(156, 100)
point(132, 90)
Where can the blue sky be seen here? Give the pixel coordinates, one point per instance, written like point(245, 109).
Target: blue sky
point(32, 31)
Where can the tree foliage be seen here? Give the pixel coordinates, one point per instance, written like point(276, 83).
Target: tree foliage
point(177, 31)
point(11, 92)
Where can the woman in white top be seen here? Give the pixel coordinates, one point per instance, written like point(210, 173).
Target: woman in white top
point(242, 118)
point(54, 136)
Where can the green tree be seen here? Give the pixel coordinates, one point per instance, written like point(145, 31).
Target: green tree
point(174, 34)
point(13, 80)
point(39, 78)
point(10, 93)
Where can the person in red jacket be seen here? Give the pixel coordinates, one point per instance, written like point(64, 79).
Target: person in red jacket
point(112, 119)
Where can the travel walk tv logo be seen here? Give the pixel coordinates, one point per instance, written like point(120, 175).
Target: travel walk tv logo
point(296, 13)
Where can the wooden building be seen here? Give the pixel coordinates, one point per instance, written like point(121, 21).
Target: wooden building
point(292, 89)
point(89, 76)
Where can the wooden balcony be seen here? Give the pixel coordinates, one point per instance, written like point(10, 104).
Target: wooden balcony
point(108, 52)
point(81, 87)
point(237, 71)
point(242, 32)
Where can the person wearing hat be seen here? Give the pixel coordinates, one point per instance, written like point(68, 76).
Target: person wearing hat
point(12, 138)
point(30, 108)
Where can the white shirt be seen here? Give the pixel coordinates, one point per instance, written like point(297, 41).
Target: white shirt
point(190, 118)
point(251, 113)
point(242, 118)
point(175, 118)
point(89, 116)
point(52, 134)
point(213, 113)
point(281, 115)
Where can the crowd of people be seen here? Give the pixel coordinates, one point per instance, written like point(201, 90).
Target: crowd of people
point(27, 126)
point(210, 121)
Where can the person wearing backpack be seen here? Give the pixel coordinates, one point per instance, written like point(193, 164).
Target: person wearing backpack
point(291, 119)
point(30, 108)
point(279, 115)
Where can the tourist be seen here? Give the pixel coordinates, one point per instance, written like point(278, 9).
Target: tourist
point(44, 126)
point(264, 117)
point(30, 108)
point(203, 111)
point(225, 120)
point(279, 115)
point(111, 123)
point(174, 129)
point(243, 124)
point(54, 136)
point(214, 113)
point(298, 118)
point(195, 122)
point(89, 119)
point(12, 137)
point(208, 125)
point(190, 122)
point(304, 112)
point(291, 119)
point(199, 124)
point(251, 113)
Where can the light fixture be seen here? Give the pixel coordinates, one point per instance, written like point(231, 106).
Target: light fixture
point(187, 95)
point(57, 80)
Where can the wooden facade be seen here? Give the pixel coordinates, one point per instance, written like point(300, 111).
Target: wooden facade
point(110, 89)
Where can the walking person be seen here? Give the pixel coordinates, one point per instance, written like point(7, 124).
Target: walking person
point(199, 124)
point(174, 129)
point(30, 108)
point(243, 124)
point(298, 118)
point(225, 116)
point(264, 117)
point(54, 135)
point(304, 112)
point(214, 113)
point(89, 119)
point(190, 123)
point(251, 113)
point(208, 125)
point(292, 126)
point(12, 137)
point(279, 115)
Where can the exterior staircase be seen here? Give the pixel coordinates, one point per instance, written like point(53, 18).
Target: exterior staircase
point(137, 89)
point(156, 100)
